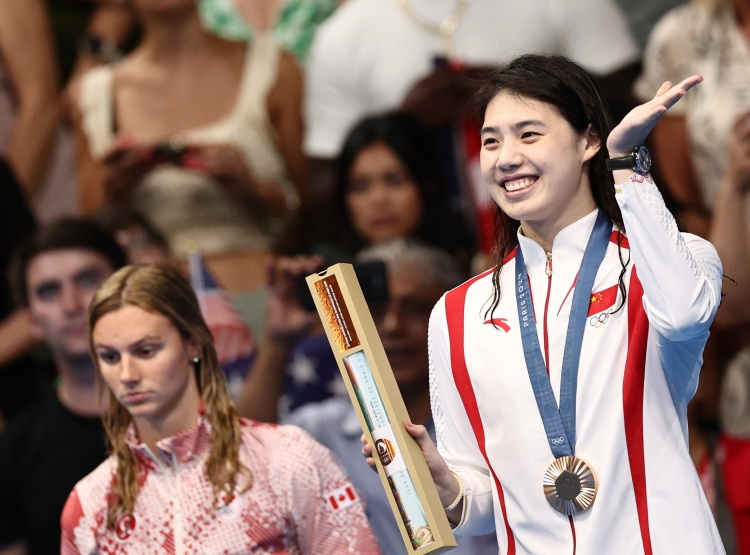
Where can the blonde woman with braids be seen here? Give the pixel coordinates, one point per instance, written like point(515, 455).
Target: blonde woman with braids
point(186, 474)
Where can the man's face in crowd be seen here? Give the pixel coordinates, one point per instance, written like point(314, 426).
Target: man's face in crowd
point(402, 323)
point(60, 286)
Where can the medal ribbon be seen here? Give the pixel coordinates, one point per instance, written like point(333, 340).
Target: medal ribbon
point(560, 424)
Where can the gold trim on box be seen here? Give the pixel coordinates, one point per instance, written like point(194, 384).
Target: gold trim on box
point(380, 408)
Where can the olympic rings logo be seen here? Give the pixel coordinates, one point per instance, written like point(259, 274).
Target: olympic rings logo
point(599, 320)
point(558, 441)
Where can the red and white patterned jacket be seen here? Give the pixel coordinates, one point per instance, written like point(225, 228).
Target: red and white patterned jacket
point(300, 501)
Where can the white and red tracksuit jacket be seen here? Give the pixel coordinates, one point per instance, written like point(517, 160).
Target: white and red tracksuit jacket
point(638, 370)
point(300, 501)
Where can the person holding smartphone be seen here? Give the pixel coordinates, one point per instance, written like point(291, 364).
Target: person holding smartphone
point(200, 134)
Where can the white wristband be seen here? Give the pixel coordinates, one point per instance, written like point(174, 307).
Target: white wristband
point(460, 495)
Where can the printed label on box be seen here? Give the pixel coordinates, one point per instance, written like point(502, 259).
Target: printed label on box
point(336, 313)
point(402, 485)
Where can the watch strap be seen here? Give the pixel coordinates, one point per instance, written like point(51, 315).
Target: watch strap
point(621, 163)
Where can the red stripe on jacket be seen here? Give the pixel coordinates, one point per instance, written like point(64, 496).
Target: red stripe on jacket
point(454, 309)
point(632, 398)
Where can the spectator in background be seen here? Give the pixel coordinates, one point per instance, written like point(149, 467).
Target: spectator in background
point(199, 134)
point(51, 446)
point(642, 15)
point(730, 231)
point(180, 454)
point(389, 185)
point(37, 147)
point(32, 81)
point(417, 276)
point(293, 22)
point(91, 34)
point(691, 143)
point(371, 56)
point(691, 146)
point(730, 234)
point(20, 377)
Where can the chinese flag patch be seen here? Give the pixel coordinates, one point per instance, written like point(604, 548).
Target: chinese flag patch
point(602, 300)
point(341, 498)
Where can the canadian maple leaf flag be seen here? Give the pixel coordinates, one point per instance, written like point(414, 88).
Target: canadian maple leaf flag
point(342, 497)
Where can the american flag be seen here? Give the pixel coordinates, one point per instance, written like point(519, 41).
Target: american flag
point(232, 336)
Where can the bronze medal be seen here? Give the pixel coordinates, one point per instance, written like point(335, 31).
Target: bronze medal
point(570, 485)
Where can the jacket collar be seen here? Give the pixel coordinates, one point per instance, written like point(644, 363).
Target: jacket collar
point(180, 448)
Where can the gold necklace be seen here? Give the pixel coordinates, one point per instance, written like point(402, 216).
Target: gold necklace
point(446, 28)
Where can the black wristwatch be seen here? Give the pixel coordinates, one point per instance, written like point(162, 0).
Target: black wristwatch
point(639, 161)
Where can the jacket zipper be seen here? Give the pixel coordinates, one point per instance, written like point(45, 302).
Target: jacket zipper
point(548, 271)
point(178, 516)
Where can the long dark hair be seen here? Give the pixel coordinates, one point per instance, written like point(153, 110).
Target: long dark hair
point(413, 144)
point(574, 93)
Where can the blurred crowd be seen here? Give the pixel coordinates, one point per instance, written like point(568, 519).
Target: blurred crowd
point(252, 142)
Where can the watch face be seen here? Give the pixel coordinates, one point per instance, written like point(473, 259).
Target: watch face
point(642, 160)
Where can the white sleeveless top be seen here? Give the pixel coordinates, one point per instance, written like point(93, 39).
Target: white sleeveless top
point(190, 207)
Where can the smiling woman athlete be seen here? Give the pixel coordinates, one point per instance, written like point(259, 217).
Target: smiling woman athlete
point(186, 475)
point(560, 378)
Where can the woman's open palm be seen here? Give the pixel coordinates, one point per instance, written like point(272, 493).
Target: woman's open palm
point(638, 123)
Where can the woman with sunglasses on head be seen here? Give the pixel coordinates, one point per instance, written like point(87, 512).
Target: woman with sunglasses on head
point(186, 474)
